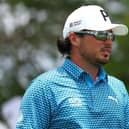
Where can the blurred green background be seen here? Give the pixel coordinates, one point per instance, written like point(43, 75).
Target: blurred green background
point(28, 34)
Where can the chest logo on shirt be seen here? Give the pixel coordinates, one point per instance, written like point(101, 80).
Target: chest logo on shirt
point(75, 102)
point(113, 98)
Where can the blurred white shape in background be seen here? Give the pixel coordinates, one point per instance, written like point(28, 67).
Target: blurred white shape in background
point(20, 15)
point(11, 20)
point(2, 126)
point(10, 111)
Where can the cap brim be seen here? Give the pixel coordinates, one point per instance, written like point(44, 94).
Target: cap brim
point(119, 29)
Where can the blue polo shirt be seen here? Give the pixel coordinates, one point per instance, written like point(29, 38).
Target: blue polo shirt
point(68, 98)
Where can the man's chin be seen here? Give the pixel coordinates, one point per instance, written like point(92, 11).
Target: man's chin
point(102, 62)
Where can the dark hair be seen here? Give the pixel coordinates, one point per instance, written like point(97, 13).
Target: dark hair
point(64, 46)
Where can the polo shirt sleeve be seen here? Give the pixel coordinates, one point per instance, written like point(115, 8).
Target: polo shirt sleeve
point(126, 109)
point(123, 93)
point(126, 100)
point(127, 114)
point(35, 108)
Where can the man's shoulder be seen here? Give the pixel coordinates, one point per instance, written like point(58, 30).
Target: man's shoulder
point(116, 84)
point(114, 79)
point(49, 77)
point(52, 75)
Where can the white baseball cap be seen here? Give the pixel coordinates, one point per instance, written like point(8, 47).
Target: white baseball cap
point(91, 17)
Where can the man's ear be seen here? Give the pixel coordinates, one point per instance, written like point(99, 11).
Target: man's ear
point(74, 39)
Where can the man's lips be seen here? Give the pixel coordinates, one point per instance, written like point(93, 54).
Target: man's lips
point(106, 50)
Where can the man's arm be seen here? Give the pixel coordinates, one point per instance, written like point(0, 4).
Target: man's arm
point(34, 111)
point(127, 114)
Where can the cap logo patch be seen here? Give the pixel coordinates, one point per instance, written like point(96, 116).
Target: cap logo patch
point(104, 14)
point(76, 23)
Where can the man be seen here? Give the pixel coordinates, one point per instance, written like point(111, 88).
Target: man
point(79, 94)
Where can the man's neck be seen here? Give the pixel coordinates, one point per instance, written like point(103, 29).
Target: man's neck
point(86, 66)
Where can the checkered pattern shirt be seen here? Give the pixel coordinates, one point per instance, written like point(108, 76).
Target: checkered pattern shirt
point(68, 98)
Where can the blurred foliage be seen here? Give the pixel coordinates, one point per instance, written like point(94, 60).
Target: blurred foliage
point(28, 33)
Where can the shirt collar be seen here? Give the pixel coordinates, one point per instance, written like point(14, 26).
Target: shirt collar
point(76, 71)
point(72, 68)
point(102, 75)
